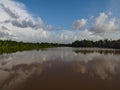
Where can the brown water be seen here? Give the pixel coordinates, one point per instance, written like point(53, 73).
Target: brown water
point(61, 68)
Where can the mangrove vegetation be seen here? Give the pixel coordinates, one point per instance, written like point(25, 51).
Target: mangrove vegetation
point(115, 44)
point(8, 46)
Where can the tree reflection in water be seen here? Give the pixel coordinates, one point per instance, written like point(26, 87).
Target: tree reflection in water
point(60, 67)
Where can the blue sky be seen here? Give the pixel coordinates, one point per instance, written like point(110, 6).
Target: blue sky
point(59, 21)
point(62, 13)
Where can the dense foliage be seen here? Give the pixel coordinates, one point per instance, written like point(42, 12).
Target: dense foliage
point(100, 44)
point(8, 46)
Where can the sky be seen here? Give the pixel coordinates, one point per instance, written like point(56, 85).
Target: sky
point(59, 21)
point(56, 12)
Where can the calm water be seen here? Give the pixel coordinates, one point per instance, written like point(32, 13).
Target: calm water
point(64, 68)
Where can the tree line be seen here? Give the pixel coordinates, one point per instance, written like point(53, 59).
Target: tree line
point(7, 46)
point(115, 44)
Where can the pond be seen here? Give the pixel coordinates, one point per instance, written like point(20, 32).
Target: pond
point(61, 68)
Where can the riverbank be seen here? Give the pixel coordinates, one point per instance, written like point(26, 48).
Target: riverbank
point(13, 46)
point(8, 46)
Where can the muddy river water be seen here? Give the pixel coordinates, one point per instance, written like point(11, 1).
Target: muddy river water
point(61, 68)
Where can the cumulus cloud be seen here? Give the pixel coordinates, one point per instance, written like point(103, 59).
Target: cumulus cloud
point(9, 12)
point(13, 10)
point(17, 15)
point(104, 24)
point(100, 27)
point(48, 27)
point(79, 24)
point(16, 23)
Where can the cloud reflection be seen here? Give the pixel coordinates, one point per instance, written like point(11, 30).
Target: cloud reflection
point(19, 67)
point(104, 69)
point(18, 74)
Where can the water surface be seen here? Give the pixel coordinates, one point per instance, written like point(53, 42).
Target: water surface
point(64, 68)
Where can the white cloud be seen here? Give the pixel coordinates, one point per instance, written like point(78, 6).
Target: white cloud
point(16, 23)
point(79, 24)
point(104, 24)
point(48, 27)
